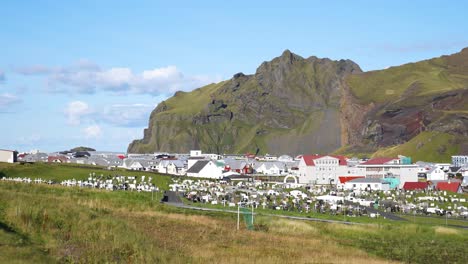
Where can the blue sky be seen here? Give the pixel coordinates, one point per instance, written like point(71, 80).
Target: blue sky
point(90, 72)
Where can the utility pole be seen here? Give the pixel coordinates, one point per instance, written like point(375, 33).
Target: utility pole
point(238, 216)
point(252, 215)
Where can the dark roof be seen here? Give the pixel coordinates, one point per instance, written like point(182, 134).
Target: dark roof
point(415, 186)
point(454, 169)
point(198, 166)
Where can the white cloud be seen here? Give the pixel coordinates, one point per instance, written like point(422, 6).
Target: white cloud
point(122, 115)
point(128, 115)
point(93, 131)
point(6, 100)
point(87, 77)
point(75, 111)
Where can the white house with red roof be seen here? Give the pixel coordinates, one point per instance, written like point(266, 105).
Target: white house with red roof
point(322, 169)
point(379, 168)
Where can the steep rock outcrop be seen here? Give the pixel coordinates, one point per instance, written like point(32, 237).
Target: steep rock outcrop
point(291, 104)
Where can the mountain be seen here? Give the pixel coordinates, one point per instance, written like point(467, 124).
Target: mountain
point(311, 105)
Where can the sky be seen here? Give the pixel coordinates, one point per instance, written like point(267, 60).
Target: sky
point(89, 73)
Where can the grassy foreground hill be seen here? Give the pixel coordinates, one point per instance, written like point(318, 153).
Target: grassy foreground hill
point(309, 105)
point(48, 224)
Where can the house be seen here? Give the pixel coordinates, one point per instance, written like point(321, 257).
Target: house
point(239, 166)
point(9, 156)
point(57, 159)
point(453, 171)
point(449, 186)
point(318, 169)
point(195, 153)
point(175, 167)
point(139, 164)
point(435, 174)
point(459, 160)
point(206, 169)
point(37, 157)
point(270, 168)
point(397, 168)
point(412, 186)
point(369, 184)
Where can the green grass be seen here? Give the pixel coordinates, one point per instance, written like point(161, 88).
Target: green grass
point(59, 224)
point(82, 225)
point(427, 146)
point(193, 102)
point(427, 77)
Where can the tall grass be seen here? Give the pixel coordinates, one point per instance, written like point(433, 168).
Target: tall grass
point(77, 225)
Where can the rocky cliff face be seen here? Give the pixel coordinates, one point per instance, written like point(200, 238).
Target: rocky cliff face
point(311, 105)
point(290, 105)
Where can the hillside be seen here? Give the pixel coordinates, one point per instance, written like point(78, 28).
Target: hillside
point(397, 104)
point(298, 105)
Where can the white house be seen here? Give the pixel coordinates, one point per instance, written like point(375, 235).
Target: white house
point(195, 153)
point(9, 156)
point(379, 168)
point(361, 184)
point(175, 167)
point(270, 168)
point(460, 160)
point(436, 174)
point(206, 169)
point(318, 169)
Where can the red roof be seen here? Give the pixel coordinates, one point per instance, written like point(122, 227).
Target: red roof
point(344, 179)
point(448, 186)
point(309, 159)
point(378, 161)
point(410, 186)
point(121, 157)
point(54, 158)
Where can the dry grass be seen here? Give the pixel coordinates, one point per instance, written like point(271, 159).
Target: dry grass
point(90, 226)
point(446, 230)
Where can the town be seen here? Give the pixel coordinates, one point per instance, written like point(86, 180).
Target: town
point(325, 184)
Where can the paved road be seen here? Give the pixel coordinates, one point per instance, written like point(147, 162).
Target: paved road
point(171, 198)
